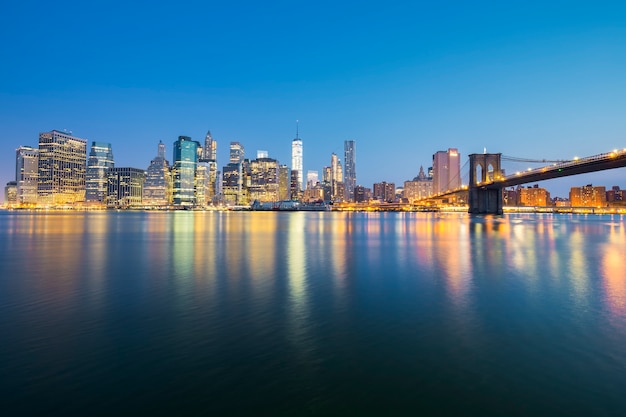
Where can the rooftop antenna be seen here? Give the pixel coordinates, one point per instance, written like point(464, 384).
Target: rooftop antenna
point(297, 123)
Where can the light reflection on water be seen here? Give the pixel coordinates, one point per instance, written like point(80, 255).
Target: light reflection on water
point(274, 313)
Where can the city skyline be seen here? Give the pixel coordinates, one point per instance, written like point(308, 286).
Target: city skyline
point(533, 80)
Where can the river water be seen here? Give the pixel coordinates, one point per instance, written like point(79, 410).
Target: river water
point(289, 314)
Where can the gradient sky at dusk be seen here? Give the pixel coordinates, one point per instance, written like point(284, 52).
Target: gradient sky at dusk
point(530, 79)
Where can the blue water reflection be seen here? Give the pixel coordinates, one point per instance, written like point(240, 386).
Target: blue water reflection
point(228, 313)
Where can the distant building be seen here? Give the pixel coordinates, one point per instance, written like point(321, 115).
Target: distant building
point(616, 196)
point(509, 197)
point(336, 178)
point(312, 178)
point(237, 153)
point(446, 171)
point(349, 147)
point(26, 175)
point(297, 160)
point(264, 180)
point(100, 160)
point(294, 186)
point(419, 188)
point(157, 189)
point(184, 171)
point(209, 157)
point(362, 194)
point(62, 165)
point(384, 191)
point(534, 197)
point(588, 196)
point(284, 175)
point(10, 194)
point(125, 187)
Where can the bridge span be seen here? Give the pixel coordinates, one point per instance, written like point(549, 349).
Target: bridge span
point(486, 179)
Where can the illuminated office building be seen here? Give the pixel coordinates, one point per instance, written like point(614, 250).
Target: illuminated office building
point(26, 175)
point(446, 171)
point(62, 166)
point(100, 160)
point(312, 178)
point(297, 162)
point(10, 194)
point(184, 171)
point(384, 191)
point(237, 153)
point(284, 174)
point(263, 180)
point(209, 161)
point(349, 147)
point(157, 188)
point(124, 187)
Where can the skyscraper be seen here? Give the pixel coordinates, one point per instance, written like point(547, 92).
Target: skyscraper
point(209, 161)
point(236, 153)
point(157, 189)
point(125, 187)
point(26, 175)
point(349, 147)
point(100, 160)
point(296, 159)
point(62, 166)
point(446, 171)
point(184, 170)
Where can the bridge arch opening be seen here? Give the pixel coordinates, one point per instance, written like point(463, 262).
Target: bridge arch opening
point(490, 173)
point(478, 174)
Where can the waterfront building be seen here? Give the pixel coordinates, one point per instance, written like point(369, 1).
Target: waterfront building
point(297, 160)
point(10, 194)
point(209, 158)
point(534, 196)
point(313, 194)
point(233, 179)
point(509, 196)
point(284, 175)
point(616, 196)
point(62, 165)
point(384, 191)
point(125, 187)
point(184, 171)
point(26, 176)
point(263, 180)
point(588, 196)
point(202, 187)
point(157, 189)
point(419, 188)
point(349, 147)
point(100, 160)
point(446, 171)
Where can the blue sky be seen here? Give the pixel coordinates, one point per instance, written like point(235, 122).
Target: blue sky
point(403, 79)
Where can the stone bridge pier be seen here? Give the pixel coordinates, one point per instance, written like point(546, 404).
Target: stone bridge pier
point(485, 196)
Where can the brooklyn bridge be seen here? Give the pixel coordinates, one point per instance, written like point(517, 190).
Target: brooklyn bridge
point(487, 180)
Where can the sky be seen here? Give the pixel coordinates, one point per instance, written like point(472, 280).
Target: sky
point(404, 79)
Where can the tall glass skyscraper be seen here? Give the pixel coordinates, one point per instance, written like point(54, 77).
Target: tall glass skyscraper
point(184, 170)
point(296, 160)
point(100, 160)
point(349, 147)
point(62, 166)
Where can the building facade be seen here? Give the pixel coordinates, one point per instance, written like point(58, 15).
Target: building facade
point(100, 160)
point(588, 196)
point(157, 189)
point(125, 187)
point(26, 176)
point(297, 160)
point(349, 148)
point(62, 166)
point(446, 171)
point(184, 171)
point(419, 188)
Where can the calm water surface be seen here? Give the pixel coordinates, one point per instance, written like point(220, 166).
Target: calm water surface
point(288, 314)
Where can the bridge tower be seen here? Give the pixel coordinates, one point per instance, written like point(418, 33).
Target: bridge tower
point(485, 195)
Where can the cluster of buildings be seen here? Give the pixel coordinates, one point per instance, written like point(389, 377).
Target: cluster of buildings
point(586, 196)
point(61, 173)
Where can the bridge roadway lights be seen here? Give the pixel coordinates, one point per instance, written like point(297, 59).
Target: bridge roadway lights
point(484, 200)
